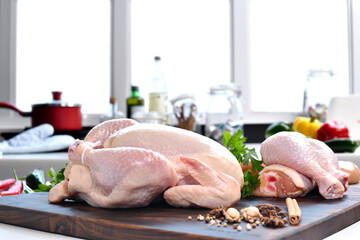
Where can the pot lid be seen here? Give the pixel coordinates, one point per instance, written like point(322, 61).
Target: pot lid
point(230, 87)
point(56, 102)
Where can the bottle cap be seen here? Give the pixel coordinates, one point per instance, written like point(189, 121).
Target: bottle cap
point(134, 88)
point(112, 100)
point(157, 58)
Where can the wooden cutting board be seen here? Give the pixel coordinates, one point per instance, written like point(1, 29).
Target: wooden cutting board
point(320, 218)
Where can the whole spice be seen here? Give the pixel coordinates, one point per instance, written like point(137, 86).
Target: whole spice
point(200, 217)
point(251, 214)
point(266, 207)
point(273, 221)
point(232, 215)
point(219, 212)
point(294, 211)
point(272, 215)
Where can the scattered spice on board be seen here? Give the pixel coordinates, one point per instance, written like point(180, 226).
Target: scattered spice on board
point(272, 215)
point(294, 211)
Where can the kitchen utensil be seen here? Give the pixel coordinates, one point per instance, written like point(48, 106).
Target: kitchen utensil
point(185, 111)
point(62, 116)
point(225, 111)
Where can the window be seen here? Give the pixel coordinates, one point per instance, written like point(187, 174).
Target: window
point(263, 46)
point(192, 37)
point(63, 45)
point(287, 42)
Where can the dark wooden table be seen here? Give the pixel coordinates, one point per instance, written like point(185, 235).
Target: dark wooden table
point(320, 218)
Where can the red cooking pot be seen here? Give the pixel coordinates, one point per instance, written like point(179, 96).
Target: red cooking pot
point(60, 115)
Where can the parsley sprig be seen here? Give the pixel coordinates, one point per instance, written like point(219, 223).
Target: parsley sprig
point(235, 144)
point(57, 177)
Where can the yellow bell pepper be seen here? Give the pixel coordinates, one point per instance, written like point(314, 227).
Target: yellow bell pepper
point(307, 126)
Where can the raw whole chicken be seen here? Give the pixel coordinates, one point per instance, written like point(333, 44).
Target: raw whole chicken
point(309, 157)
point(123, 164)
point(279, 181)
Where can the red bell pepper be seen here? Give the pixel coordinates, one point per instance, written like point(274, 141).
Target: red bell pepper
point(14, 189)
point(332, 130)
point(7, 183)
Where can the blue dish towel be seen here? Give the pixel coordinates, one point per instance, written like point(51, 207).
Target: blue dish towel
point(37, 139)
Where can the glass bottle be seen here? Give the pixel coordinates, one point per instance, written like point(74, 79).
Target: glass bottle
point(225, 111)
point(113, 112)
point(158, 96)
point(134, 103)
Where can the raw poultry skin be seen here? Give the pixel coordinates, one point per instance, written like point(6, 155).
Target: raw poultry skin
point(124, 164)
point(309, 157)
point(279, 181)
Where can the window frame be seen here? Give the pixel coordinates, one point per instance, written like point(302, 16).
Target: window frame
point(121, 59)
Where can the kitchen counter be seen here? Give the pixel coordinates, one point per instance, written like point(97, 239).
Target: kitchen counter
point(24, 163)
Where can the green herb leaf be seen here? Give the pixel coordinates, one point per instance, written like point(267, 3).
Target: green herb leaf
point(251, 182)
point(57, 177)
point(235, 144)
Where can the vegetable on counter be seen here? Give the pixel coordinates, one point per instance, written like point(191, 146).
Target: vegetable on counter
point(235, 144)
point(35, 178)
point(307, 126)
point(332, 130)
point(11, 186)
point(57, 177)
point(14, 189)
point(341, 145)
point(5, 184)
point(278, 127)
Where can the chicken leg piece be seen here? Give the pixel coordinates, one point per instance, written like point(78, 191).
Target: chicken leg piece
point(214, 189)
point(279, 181)
point(294, 150)
point(329, 162)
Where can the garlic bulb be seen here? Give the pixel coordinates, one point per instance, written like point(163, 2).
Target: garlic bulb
point(232, 215)
point(251, 214)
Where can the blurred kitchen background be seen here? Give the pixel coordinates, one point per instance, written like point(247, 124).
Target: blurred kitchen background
point(248, 62)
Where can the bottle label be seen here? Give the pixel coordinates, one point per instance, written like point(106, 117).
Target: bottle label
point(158, 102)
point(137, 108)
